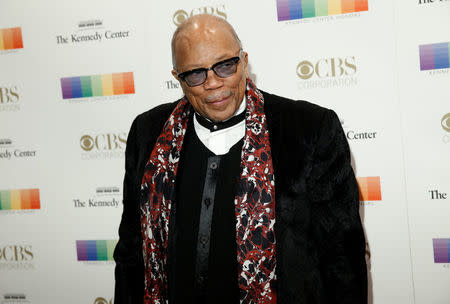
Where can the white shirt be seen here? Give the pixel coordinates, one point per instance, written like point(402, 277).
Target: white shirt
point(220, 142)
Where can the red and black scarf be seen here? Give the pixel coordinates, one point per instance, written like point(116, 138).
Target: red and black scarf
point(254, 205)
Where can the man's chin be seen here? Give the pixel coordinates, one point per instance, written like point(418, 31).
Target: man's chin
point(218, 116)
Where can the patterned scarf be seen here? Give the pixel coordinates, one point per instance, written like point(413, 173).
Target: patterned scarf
point(254, 205)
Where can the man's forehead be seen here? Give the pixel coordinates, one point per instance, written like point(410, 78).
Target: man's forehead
point(208, 32)
point(201, 46)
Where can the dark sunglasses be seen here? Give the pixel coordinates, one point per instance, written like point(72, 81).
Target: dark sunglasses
point(223, 69)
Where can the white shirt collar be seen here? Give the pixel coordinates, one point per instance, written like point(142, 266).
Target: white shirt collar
point(220, 142)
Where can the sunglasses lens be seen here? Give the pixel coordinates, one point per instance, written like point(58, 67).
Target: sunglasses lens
point(195, 77)
point(222, 69)
point(226, 68)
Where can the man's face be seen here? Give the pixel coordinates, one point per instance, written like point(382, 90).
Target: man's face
point(217, 98)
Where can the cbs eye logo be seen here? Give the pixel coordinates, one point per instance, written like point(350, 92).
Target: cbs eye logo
point(87, 143)
point(102, 301)
point(305, 69)
point(179, 17)
point(445, 122)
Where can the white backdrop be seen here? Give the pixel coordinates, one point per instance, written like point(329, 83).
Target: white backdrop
point(365, 65)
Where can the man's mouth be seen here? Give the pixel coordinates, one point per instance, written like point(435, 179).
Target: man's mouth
point(219, 99)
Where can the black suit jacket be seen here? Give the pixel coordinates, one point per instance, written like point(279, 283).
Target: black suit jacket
point(320, 240)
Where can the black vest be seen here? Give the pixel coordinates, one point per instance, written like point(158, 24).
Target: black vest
point(203, 261)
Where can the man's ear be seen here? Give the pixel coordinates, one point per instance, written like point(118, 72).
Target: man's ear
point(174, 73)
point(245, 62)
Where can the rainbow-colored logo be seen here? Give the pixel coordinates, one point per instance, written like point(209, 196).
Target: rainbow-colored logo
point(300, 9)
point(441, 249)
point(23, 199)
point(434, 56)
point(369, 188)
point(11, 38)
point(96, 250)
point(97, 85)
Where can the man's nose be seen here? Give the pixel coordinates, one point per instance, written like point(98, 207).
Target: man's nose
point(212, 81)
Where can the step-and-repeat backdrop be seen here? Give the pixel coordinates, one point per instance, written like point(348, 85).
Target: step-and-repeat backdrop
point(74, 74)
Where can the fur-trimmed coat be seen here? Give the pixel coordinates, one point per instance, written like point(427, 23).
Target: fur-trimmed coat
point(320, 239)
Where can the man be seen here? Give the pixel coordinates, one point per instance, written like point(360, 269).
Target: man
point(235, 195)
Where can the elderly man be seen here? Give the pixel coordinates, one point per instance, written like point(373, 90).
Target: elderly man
point(234, 195)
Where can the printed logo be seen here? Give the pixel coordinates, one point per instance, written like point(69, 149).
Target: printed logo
point(437, 195)
point(180, 15)
point(11, 38)
point(14, 298)
point(300, 9)
point(328, 72)
point(369, 188)
point(8, 152)
point(435, 57)
point(9, 98)
point(99, 250)
point(170, 84)
point(87, 142)
point(441, 249)
point(431, 1)
point(101, 300)
point(104, 197)
point(445, 124)
point(358, 135)
point(24, 199)
point(97, 85)
point(5, 142)
point(83, 36)
point(90, 24)
point(16, 257)
point(107, 190)
point(104, 145)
